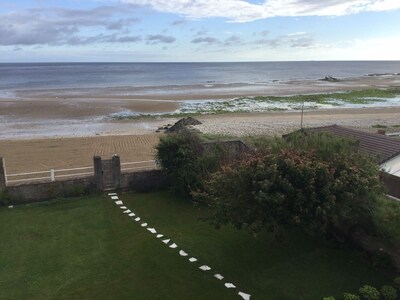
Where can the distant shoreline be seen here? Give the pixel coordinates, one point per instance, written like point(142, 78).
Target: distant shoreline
point(80, 112)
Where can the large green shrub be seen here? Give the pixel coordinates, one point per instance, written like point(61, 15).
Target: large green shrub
point(386, 218)
point(397, 283)
point(388, 293)
point(369, 292)
point(293, 186)
point(349, 296)
point(187, 164)
point(177, 155)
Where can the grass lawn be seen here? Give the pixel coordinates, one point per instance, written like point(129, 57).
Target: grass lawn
point(87, 249)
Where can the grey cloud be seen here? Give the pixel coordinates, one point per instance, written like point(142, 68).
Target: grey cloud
point(300, 40)
point(59, 26)
point(207, 40)
point(101, 38)
point(122, 23)
point(178, 22)
point(159, 38)
point(201, 32)
point(233, 40)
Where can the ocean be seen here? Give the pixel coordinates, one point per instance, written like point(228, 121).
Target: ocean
point(28, 76)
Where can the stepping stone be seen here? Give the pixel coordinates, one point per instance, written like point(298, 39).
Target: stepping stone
point(166, 241)
point(152, 230)
point(114, 198)
point(192, 259)
point(118, 202)
point(183, 253)
point(137, 219)
point(173, 246)
point(205, 268)
point(131, 215)
point(159, 236)
point(127, 211)
point(112, 194)
point(10, 206)
point(244, 295)
point(144, 224)
point(219, 276)
point(123, 207)
point(230, 285)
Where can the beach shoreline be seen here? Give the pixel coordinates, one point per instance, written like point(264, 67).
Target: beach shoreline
point(36, 131)
point(88, 112)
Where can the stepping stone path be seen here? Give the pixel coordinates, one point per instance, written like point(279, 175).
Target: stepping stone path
point(205, 268)
point(127, 211)
point(219, 276)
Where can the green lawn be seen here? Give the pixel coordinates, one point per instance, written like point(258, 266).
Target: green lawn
point(87, 249)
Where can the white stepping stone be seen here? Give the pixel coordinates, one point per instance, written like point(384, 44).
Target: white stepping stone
point(137, 219)
point(127, 211)
point(112, 194)
point(152, 230)
point(173, 246)
point(118, 202)
point(159, 236)
point(219, 276)
point(205, 268)
point(166, 241)
point(230, 285)
point(10, 206)
point(144, 224)
point(244, 295)
point(131, 215)
point(183, 253)
point(114, 198)
point(123, 207)
point(192, 259)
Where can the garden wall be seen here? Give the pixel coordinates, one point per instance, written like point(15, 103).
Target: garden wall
point(40, 191)
point(140, 181)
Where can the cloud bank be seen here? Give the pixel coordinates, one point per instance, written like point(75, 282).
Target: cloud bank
point(61, 26)
point(244, 11)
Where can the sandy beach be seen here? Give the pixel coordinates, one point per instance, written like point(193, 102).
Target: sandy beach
point(43, 129)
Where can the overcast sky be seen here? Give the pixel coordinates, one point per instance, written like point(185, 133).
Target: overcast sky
point(198, 30)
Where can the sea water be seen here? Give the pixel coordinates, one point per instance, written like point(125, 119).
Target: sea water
point(28, 76)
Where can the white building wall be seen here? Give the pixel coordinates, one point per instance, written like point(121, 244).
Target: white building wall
point(392, 166)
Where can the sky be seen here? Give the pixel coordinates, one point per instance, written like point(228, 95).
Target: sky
point(198, 30)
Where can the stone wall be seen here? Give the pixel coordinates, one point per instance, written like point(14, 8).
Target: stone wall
point(41, 191)
point(140, 181)
point(144, 181)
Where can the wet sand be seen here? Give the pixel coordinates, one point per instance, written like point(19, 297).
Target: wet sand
point(96, 104)
point(61, 129)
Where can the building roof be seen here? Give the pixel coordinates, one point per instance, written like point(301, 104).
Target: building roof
point(380, 147)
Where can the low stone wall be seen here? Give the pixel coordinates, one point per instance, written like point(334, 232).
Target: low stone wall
point(141, 181)
point(144, 181)
point(41, 191)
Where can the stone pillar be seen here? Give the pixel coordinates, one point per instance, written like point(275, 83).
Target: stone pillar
point(116, 166)
point(3, 179)
point(98, 173)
